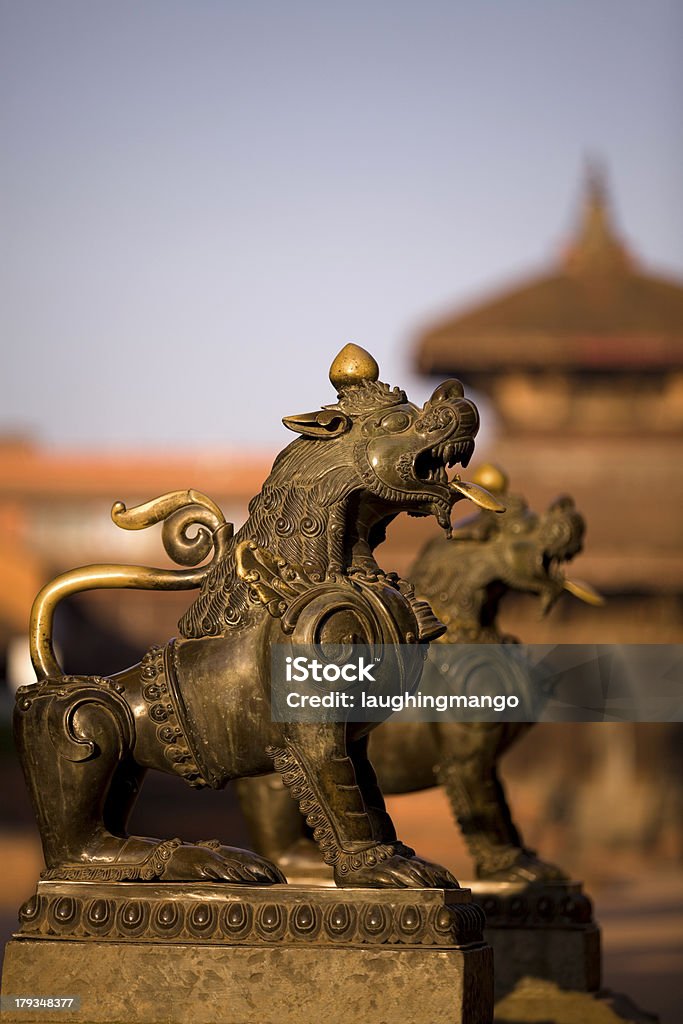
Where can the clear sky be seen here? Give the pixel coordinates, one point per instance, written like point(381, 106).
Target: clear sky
point(202, 201)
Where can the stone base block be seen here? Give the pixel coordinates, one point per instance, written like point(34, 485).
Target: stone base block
point(543, 931)
point(216, 954)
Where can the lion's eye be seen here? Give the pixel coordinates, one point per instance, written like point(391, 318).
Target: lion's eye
point(396, 421)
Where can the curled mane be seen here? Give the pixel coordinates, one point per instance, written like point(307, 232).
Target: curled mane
point(299, 515)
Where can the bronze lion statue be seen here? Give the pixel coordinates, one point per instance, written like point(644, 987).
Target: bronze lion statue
point(300, 570)
point(464, 579)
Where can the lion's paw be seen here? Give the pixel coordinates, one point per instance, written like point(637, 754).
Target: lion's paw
point(524, 867)
point(211, 861)
point(403, 870)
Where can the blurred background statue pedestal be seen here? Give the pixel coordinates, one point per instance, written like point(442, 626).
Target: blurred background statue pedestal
point(547, 957)
point(545, 930)
point(174, 952)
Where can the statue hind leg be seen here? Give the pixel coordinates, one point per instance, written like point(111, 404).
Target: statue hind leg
point(72, 737)
point(75, 738)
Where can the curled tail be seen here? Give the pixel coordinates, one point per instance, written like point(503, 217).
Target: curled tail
point(179, 511)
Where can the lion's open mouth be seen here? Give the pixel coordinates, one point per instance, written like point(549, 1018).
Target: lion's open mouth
point(556, 581)
point(552, 565)
point(432, 464)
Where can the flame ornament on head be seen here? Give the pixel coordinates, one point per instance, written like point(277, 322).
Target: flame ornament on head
point(353, 365)
point(355, 377)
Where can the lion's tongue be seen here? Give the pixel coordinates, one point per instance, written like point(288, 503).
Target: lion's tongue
point(584, 592)
point(477, 494)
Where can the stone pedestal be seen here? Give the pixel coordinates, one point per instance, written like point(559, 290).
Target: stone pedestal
point(542, 931)
point(219, 954)
point(547, 960)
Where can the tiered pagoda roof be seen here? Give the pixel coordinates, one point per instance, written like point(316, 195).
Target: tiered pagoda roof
point(596, 310)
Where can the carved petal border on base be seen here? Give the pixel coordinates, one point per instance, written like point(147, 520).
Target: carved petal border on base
point(551, 905)
point(183, 919)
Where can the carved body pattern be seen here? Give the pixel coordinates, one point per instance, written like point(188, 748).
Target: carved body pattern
point(464, 580)
point(301, 569)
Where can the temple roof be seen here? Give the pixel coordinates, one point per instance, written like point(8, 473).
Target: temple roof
point(596, 309)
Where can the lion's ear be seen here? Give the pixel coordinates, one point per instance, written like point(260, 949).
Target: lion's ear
point(320, 424)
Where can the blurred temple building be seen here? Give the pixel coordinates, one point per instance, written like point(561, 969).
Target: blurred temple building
point(584, 366)
point(55, 514)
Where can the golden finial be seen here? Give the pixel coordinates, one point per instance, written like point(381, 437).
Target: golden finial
point(351, 366)
point(596, 246)
point(491, 477)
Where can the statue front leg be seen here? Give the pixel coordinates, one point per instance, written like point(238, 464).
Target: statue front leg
point(468, 770)
point(336, 789)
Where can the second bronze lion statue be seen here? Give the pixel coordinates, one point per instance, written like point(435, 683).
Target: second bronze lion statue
point(464, 578)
